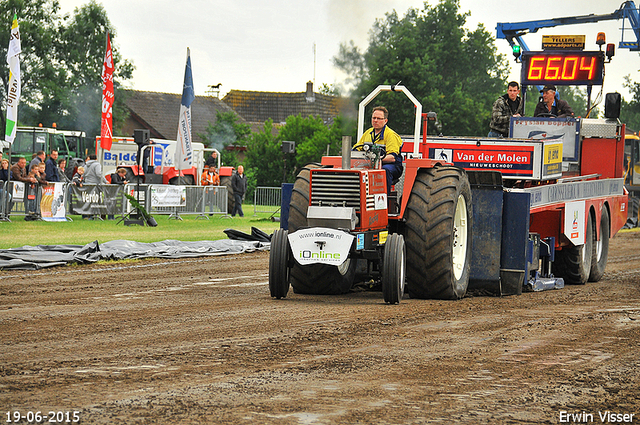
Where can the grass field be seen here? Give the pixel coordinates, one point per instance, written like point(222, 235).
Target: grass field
point(19, 233)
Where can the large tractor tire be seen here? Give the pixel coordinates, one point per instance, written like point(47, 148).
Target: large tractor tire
point(573, 264)
point(438, 234)
point(226, 182)
point(183, 180)
point(317, 279)
point(600, 249)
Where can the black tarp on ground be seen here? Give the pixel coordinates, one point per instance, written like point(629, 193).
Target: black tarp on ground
point(41, 256)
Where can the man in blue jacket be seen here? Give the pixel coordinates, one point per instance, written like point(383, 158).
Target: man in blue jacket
point(51, 167)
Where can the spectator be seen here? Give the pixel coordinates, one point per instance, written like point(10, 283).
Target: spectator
point(4, 170)
point(37, 159)
point(41, 175)
point(4, 179)
point(19, 173)
point(239, 186)
point(214, 177)
point(78, 177)
point(93, 171)
point(204, 178)
point(51, 167)
point(119, 176)
point(62, 164)
point(212, 160)
point(31, 193)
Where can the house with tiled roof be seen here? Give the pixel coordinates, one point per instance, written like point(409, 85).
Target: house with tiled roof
point(159, 112)
point(256, 107)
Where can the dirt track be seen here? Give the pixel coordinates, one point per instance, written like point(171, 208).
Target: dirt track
point(201, 341)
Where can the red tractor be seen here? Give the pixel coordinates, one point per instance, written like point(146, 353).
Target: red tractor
point(340, 217)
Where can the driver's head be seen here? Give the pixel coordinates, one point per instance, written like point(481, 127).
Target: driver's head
point(548, 93)
point(379, 117)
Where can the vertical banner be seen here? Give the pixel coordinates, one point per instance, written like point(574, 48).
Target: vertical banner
point(13, 91)
point(184, 150)
point(106, 131)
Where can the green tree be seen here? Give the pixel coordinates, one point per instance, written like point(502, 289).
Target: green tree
point(264, 157)
point(450, 70)
point(228, 130)
point(312, 137)
point(37, 20)
point(81, 48)
point(61, 64)
point(630, 111)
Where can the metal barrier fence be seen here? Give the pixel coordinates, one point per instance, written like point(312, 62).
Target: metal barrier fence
point(19, 199)
point(99, 201)
point(180, 200)
point(267, 200)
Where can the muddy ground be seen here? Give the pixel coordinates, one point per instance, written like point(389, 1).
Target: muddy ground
point(200, 341)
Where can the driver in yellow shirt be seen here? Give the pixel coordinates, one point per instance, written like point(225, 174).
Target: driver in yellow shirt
point(380, 134)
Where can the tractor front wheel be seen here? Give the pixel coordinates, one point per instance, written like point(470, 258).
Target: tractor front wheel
point(279, 264)
point(393, 269)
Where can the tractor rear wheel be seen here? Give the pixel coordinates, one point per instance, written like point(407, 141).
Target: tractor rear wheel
point(438, 234)
point(393, 269)
point(573, 264)
point(226, 182)
point(600, 249)
point(279, 264)
point(318, 279)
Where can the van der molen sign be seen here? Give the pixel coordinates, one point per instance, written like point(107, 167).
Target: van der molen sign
point(563, 42)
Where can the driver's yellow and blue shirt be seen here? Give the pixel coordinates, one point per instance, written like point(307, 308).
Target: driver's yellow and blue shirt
point(386, 137)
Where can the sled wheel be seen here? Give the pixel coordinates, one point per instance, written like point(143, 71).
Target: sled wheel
point(573, 263)
point(279, 264)
point(393, 269)
point(600, 250)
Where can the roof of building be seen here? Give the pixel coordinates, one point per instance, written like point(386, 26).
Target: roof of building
point(159, 112)
point(259, 106)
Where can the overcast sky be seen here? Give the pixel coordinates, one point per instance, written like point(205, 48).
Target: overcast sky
point(268, 45)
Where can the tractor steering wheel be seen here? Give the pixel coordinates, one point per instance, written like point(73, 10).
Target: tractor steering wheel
point(547, 115)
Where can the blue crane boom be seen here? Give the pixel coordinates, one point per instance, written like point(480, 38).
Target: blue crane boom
point(513, 32)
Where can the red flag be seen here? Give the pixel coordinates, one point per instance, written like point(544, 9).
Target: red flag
point(106, 132)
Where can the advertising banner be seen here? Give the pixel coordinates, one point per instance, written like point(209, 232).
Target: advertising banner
point(515, 160)
point(320, 245)
point(564, 129)
point(96, 200)
point(168, 196)
point(18, 190)
point(52, 202)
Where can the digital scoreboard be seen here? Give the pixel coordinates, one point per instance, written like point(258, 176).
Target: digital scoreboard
point(562, 68)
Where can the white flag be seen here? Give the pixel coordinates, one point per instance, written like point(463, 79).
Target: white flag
point(13, 91)
point(184, 148)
